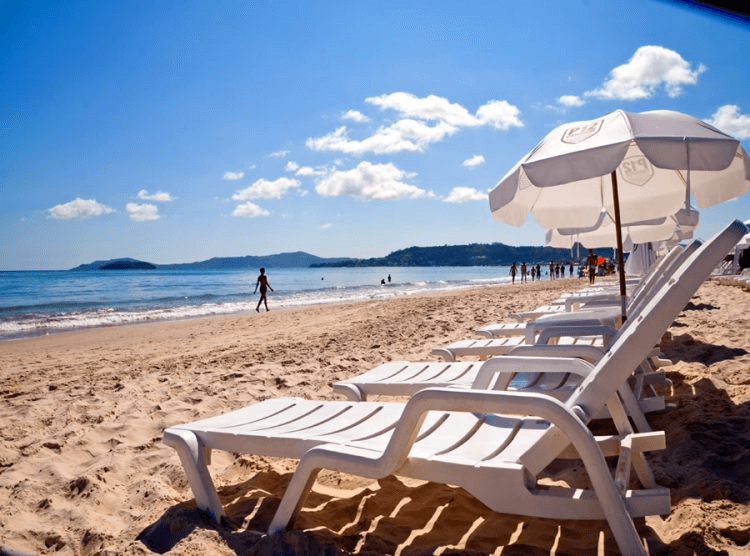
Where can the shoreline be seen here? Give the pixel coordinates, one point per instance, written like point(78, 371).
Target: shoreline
point(246, 312)
point(83, 469)
point(69, 311)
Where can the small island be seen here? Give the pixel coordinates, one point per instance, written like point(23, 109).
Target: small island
point(128, 265)
point(117, 264)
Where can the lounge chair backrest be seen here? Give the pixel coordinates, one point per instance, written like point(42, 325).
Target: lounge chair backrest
point(639, 334)
point(665, 268)
point(654, 269)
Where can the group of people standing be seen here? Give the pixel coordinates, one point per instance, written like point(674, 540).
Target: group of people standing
point(556, 270)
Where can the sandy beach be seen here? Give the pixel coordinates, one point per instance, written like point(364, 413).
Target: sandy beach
point(83, 470)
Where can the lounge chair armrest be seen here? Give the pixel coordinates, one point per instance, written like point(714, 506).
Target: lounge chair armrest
point(559, 330)
point(509, 365)
point(609, 316)
point(592, 354)
point(573, 300)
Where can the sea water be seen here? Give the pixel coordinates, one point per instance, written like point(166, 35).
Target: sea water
point(46, 302)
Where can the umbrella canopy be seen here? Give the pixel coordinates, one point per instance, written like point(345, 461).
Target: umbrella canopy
point(636, 166)
point(565, 180)
point(603, 234)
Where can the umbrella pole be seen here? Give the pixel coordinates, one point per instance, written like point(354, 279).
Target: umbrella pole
point(620, 258)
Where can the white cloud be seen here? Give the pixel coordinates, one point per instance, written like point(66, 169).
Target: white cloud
point(431, 107)
point(499, 114)
point(160, 196)
point(324, 227)
point(571, 101)
point(78, 208)
point(465, 194)
point(142, 212)
point(355, 116)
point(305, 170)
point(403, 135)
point(475, 160)
point(278, 154)
point(728, 119)
point(233, 176)
point(250, 210)
point(422, 121)
point(310, 171)
point(370, 181)
point(650, 68)
point(266, 189)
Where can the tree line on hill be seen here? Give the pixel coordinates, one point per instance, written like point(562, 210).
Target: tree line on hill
point(475, 254)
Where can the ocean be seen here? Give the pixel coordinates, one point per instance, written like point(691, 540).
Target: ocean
point(36, 303)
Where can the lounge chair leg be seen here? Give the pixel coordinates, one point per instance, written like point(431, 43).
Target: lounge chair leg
point(634, 409)
point(294, 496)
point(194, 457)
point(610, 498)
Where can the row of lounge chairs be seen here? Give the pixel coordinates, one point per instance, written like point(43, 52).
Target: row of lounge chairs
point(491, 427)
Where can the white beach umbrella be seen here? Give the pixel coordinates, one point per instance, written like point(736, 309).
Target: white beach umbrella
point(636, 166)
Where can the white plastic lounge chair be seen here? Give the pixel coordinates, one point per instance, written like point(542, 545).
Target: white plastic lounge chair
point(483, 348)
point(560, 377)
point(607, 316)
point(564, 369)
point(405, 378)
point(494, 444)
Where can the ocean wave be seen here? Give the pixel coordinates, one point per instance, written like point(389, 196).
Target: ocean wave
point(67, 303)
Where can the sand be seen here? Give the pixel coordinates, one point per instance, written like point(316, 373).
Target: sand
point(83, 469)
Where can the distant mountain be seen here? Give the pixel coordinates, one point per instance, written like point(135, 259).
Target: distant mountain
point(475, 254)
point(298, 259)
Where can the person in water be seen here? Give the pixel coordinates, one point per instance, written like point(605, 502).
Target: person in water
point(264, 287)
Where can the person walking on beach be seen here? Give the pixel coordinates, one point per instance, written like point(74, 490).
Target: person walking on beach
point(513, 273)
point(591, 262)
point(264, 287)
point(523, 273)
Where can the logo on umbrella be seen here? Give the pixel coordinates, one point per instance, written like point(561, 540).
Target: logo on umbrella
point(636, 170)
point(580, 132)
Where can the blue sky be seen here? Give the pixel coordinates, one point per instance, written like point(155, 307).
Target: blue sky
point(180, 131)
